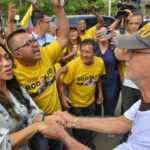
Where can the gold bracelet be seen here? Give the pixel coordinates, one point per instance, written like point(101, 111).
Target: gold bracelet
point(74, 123)
point(71, 54)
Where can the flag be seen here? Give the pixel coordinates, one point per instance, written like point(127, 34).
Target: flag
point(26, 21)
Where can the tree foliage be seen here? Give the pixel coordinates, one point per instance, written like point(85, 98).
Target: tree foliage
point(71, 6)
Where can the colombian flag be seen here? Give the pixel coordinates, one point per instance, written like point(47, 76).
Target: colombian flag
point(26, 21)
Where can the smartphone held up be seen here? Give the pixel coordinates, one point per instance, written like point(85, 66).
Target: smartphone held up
point(104, 33)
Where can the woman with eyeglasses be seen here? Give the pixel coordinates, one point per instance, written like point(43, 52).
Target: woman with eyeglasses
point(20, 118)
point(109, 80)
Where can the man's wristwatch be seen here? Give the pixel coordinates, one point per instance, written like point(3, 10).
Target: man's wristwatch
point(43, 118)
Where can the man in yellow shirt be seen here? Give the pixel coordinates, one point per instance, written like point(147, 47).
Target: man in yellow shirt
point(33, 63)
point(81, 93)
point(81, 25)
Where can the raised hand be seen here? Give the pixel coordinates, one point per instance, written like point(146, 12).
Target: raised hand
point(12, 12)
point(57, 3)
point(95, 9)
point(35, 5)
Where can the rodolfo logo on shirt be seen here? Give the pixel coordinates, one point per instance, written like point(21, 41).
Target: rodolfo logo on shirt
point(43, 83)
point(87, 80)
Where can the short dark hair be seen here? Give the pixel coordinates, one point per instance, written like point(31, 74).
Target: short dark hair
point(37, 15)
point(104, 25)
point(11, 41)
point(90, 42)
point(80, 20)
point(137, 14)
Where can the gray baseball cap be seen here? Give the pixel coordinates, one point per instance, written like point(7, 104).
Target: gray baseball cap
point(139, 40)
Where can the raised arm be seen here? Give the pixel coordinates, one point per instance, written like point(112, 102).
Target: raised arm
point(11, 15)
point(63, 26)
point(98, 16)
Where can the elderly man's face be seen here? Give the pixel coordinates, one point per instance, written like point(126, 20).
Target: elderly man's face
point(138, 66)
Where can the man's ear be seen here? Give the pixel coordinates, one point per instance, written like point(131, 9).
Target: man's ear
point(17, 54)
point(38, 23)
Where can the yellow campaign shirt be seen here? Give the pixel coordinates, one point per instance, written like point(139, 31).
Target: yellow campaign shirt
point(89, 34)
point(78, 54)
point(46, 97)
point(81, 93)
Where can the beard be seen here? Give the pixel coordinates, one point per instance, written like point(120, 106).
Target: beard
point(83, 30)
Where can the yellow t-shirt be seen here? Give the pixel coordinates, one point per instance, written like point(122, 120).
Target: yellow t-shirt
point(89, 34)
point(81, 93)
point(78, 54)
point(31, 78)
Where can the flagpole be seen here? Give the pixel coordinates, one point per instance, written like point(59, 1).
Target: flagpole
point(109, 8)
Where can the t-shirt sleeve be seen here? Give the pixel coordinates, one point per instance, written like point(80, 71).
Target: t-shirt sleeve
point(53, 50)
point(4, 134)
point(130, 114)
point(92, 30)
point(67, 78)
point(64, 50)
point(103, 71)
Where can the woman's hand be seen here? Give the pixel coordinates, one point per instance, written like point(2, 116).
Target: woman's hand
point(96, 35)
point(113, 33)
point(41, 126)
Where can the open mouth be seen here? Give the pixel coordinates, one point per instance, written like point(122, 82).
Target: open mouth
point(37, 52)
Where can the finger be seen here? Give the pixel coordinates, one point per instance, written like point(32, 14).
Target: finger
point(67, 106)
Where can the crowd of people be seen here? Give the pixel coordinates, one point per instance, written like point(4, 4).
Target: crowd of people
point(74, 69)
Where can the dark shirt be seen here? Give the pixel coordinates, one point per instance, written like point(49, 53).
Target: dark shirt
point(110, 64)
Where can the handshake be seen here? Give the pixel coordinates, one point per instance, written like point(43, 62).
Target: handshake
point(54, 125)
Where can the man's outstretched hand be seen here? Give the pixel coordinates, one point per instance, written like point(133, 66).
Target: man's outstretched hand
point(67, 117)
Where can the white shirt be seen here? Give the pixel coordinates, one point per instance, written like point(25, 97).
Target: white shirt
point(10, 125)
point(139, 136)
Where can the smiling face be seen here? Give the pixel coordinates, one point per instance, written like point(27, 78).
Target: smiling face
point(87, 54)
point(73, 34)
point(6, 64)
point(28, 53)
point(81, 26)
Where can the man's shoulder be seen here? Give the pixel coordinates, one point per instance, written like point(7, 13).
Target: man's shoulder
point(91, 29)
point(98, 59)
point(49, 36)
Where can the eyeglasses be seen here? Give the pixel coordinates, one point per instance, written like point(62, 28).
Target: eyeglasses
point(137, 51)
point(29, 43)
point(46, 22)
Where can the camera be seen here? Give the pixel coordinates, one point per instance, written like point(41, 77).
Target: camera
point(127, 4)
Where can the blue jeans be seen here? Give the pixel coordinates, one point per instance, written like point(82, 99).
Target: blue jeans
point(39, 142)
point(109, 88)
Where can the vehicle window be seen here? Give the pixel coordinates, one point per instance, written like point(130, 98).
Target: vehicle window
point(73, 21)
point(90, 22)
